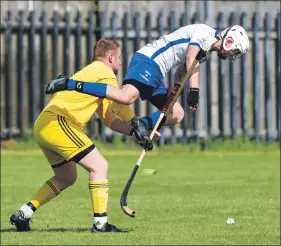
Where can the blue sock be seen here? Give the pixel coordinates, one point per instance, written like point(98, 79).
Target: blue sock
point(150, 120)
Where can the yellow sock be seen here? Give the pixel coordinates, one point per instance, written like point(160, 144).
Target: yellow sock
point(99, 196)
point(46, 193)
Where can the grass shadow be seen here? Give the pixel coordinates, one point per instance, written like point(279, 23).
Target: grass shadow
point(50, 230)
point(57, 230)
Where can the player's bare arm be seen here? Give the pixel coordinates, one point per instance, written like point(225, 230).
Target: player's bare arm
point(125, 95)
point(193, 97)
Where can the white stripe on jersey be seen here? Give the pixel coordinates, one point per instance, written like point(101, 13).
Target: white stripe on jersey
point(170, 50)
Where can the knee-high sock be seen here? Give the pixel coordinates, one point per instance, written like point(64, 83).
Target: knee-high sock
point(150, 120)
point(47, 192)
point(99, 196)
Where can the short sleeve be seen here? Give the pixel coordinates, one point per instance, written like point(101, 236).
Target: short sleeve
point(110, 81)
point(199, 35)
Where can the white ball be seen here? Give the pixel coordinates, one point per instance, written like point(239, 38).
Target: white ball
point(229, 221)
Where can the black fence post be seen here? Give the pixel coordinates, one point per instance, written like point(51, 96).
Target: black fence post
point(102, 24)
point(77, 43)
point(98, 20)
point(20, 75)
point(55, 35)
point(43, 58)
point(113, 21)
point(125, 44)
point(137, 40)
point(221, 82)
point(256, 77)
point(148, 39)
point(32, 104)
point(208, 91)
point(89, 59)
point(172, 27)
point(244, 85)
point(89, 37)
point(278, 74)
point(8, 78)
point(195, 18)
point(66, 44)
point(184, 123)
point(100, 35)
point(209, 96)
point(160, 30)
point(232, 87)
point(267, 77)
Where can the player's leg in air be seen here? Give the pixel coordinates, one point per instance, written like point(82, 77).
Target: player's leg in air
point(64, 144)
point(143, 79)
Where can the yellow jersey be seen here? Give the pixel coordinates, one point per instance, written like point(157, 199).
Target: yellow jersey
point(77, 106)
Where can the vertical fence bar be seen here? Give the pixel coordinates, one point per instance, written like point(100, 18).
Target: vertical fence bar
point(195, 114)
point(77, 43)
point(125, 43)
point(172, 27)
point(221, 82)
point(160, 27)
point(256, 76)
point(160, 30)
point(113, 24)
point(148, 40)
point(267, 77)
point(113, 28)
point(137, 40)
point(43, 58)
point(209, 95)
point(233, 86)
point(244, 84)
point(55, 35)
point(8, 78)
point(100, 35)
point(89, 37)
point(66, 44)
point(184, 123)
point(278, 74)
point(20, 75)
point(203, 110)
point(31, 69)
point(89, 59)
point(98, 20)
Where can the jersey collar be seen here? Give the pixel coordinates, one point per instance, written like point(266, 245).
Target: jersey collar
point(217, 37)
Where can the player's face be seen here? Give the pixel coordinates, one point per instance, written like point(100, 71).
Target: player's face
point(116, 60)
point(231, 54)
point(228, 43)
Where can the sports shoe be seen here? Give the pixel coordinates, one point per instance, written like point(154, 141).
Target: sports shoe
point(141, 134)
point(106, 228)
point(58, 84)
point(21, 223)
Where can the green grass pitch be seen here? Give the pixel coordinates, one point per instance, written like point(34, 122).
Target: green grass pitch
point(186, 202)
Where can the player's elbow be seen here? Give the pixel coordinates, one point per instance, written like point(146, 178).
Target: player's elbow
point(127, 99)
point(189, 60)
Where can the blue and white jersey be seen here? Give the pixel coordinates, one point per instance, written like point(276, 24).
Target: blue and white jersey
point(170, 50)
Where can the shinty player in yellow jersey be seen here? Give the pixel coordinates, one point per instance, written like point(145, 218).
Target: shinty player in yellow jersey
point(59, 132)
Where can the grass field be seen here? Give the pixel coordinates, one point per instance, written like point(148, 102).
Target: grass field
point(186, 202)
